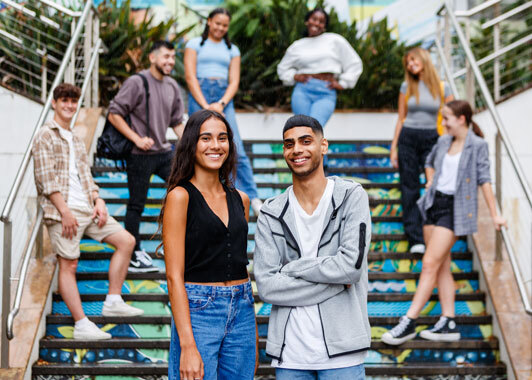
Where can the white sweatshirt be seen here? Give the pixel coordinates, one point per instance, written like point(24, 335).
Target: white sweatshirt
point(326, 53)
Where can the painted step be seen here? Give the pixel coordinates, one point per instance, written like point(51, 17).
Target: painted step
point(372, 297)
point(137, 371)
point(142, 286)
point(380, 308)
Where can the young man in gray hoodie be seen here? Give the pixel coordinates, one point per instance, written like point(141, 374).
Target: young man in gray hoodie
point(310, 263)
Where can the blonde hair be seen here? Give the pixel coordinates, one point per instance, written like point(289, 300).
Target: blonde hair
point(430, 76)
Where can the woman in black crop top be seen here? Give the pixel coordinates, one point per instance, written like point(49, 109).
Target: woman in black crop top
point(204, 226)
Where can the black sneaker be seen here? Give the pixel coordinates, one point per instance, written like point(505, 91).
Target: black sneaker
point(404, 331)
point(141, 262)
point(444, 330)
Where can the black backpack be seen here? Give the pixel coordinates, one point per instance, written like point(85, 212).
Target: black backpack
point(114, 145)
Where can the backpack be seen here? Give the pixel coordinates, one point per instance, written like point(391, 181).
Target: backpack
point(114, 145)
point(439, 126)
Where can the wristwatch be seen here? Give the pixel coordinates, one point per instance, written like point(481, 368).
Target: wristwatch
point(222, 103)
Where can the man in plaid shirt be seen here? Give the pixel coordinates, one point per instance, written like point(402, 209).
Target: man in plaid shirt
point(72, 208)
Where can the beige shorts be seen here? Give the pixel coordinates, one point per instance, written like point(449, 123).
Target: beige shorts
point(69, 248)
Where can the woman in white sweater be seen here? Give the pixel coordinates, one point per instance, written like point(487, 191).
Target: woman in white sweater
point(318, 64)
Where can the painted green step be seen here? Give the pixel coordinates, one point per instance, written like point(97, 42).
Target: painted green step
point(138, 369)
point(372, 297)
point(267, 185)
point(253, 219)
point(372, 256)
point(374, 237)
point(156, 201)
point(373, 276)
point(263, 319)
point(417, 344)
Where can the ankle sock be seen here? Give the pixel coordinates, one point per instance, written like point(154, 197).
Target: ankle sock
point(82, 322)
point(112, 298)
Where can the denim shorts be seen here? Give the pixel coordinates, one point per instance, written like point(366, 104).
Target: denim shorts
point(441, 213)
point(356, 372)
point(223, 323)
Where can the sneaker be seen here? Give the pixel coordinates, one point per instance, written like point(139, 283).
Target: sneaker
point(256, 205)
point(417, 248)
point(445, 330)
point(141, 262)
point(120, 309)
point(404, 331)
point(89, 331)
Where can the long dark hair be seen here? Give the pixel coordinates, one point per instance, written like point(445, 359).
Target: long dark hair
point(462, 108)
point(311, 12)
point(185, 156)
point(205, 33)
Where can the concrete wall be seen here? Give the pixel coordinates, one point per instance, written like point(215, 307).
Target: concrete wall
point(341, 126)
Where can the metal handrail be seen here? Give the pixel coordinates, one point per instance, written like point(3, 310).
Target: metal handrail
point(27, 254)
point(506, 15)
point(23, 272)
point(497, 54)
point(6, 213)
point(479, 8)
point(502, 135)
point(490, 103)
point(61, 8)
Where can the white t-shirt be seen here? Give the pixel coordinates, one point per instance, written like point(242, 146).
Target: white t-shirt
point(304, 342)
point(326, 53)
point(77, 199)
point(449, 172)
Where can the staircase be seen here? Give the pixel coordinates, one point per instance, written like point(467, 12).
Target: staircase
point(139, 348)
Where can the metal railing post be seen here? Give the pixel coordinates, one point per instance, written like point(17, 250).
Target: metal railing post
point(6, 293)
point(95, 85)
point(87, 48)
point(70, 75)
point(447, 38)
point(498, 191)
point(470, 77)
point(497, 62)
point(44, 76)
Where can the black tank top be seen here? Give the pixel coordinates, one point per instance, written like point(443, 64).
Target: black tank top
point(214, 252)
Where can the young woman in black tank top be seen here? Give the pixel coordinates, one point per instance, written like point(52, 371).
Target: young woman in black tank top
point(204, 226)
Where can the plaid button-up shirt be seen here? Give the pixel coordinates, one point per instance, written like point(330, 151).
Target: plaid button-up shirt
point(50, 161)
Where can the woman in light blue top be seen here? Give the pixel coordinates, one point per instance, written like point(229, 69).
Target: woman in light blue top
point(212, 72)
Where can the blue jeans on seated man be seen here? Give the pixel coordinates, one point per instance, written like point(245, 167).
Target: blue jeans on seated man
point(314, 98)
point(223, 324)
point(349, 373)
point(213, 90)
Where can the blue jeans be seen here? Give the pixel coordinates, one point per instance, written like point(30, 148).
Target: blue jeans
point(349, 373)
point(315, 99)
point(223, 323)
point(213, 90)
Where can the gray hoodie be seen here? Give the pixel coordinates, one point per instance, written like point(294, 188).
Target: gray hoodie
point(286, 280)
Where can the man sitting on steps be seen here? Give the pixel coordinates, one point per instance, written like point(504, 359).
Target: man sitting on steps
point(72, 208)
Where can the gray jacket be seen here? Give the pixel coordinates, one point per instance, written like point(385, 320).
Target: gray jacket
point(473, 171)
point(286, 280)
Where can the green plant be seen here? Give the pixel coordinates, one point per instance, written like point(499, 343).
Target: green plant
point(263, 30)
point(128, 45)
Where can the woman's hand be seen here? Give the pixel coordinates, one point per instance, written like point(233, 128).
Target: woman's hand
point(428, 184)
point(393, 157)
point(303, 78)
point(191, 365)
point(333, 83)
point(499, 222)
point(217, 107)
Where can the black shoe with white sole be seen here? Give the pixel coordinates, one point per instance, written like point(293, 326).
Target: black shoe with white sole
point(445, 330)
point(404, 331)
point(141, 262)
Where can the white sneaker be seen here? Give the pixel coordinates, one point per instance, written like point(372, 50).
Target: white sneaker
point(417, 248)
point(256, 205)
point(89, 331)
point(120, 309)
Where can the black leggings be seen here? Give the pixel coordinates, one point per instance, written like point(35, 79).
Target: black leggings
point(413, 146)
